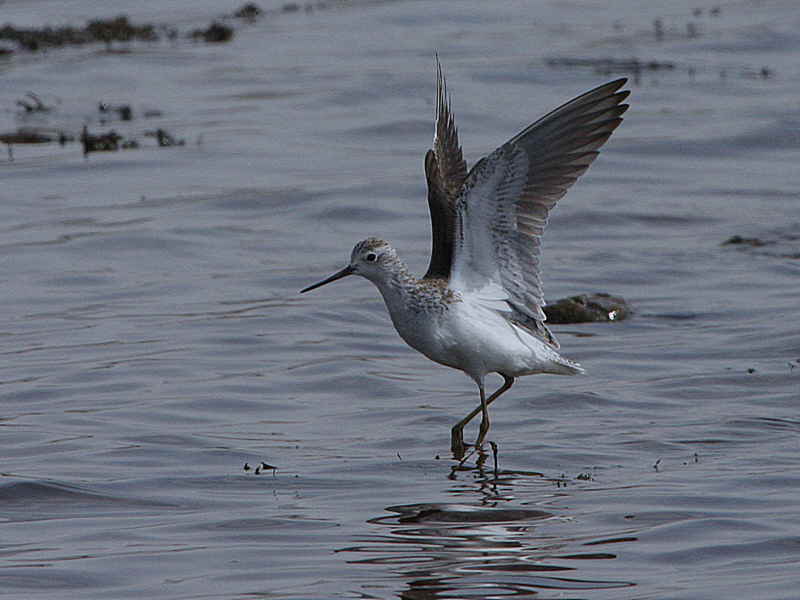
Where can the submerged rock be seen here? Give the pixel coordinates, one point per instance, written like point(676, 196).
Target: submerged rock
point(588, 308)
point(738, 239)
point(782, 242)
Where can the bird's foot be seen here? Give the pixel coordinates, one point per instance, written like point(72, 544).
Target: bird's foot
point(462, 459)
point(465, 456)
point(479, 461)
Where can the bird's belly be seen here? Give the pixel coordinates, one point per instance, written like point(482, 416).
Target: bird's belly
point(475, 340)
point(486, 342)
point(478, 340)
point(431, 337)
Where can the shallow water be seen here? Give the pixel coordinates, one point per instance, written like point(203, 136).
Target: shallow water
point(153, 340)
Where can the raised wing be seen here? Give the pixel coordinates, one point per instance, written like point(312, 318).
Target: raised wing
point(445, 170)
point(502, 212)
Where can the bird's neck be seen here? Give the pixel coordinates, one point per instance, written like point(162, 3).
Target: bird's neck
point(395, 286)
point(396, 279)
point(407, 297)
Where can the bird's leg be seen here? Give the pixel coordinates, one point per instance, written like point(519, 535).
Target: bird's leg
point(457, 445)
point(457, 441)
point(457, 433)
point(484, 428)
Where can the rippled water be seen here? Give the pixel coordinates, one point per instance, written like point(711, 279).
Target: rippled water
point(153, 341)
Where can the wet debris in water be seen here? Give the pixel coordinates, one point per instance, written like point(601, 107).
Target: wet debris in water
point(91, 141)
point(123, 111)
point(695, 458)
point(26, 136)
point(260, 468)
point(33, 136)
point(632, 67)
point(636, 68)
point(607, 66)
point(658, 29)
point(564, 480)
point(110, 141)
point(32, 103)
point(694, 25)
point(164, 139)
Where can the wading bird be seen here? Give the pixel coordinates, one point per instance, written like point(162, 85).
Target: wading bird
point(478, 308)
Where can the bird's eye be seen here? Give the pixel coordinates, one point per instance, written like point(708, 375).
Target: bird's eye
point(371, 257)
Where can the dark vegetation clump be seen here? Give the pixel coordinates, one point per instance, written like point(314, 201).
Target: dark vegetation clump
point(117, 29)
point(214, 33)
point(249, 11)
point(26, 136)
point(120, 29)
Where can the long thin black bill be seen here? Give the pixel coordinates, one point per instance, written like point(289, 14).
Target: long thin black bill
point(348, 270)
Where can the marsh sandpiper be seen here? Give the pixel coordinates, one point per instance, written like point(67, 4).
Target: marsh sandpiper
point(478, 308)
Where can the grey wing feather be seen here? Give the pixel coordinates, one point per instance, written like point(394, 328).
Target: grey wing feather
point(507, 197)
point(445, 171)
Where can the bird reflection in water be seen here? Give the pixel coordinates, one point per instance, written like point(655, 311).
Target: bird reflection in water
point(446, 550)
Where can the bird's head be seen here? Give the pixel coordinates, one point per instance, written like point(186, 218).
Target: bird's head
point(373, 258)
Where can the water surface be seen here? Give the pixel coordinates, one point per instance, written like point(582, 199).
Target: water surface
point(153, 340)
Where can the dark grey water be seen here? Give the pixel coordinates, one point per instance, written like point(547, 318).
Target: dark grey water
point(153, 340)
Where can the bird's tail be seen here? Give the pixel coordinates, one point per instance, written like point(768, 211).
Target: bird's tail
point(565, 366)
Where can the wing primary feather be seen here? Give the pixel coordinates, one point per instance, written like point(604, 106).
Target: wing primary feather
point(445, 171)
point(503, 209)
